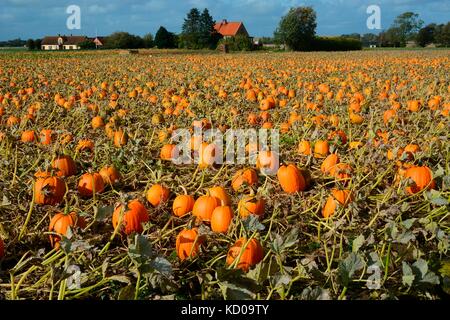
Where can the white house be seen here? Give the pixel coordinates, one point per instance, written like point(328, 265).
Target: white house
point(62, 42)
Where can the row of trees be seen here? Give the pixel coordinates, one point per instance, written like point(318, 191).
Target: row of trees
point(407, 27)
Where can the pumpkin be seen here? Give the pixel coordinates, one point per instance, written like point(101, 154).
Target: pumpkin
point(60, 224)
point(90, 183)
point(157, 194)
point(267, 162)
point(28, 136)
point(110, 175)
point(168, 152)
point(342, 197)
point(49, 190)
point(221, 194)
point(45, 137)
point(130, 218)
point(64, 166)
point(321, 149)
point(329, 163)
point(204, 207)
point(250, 254)
point(341, 171)
point(221, 219)
point(120, 138)
point(207, 155)
point(291, 179)
point(85, 145)
point(304, 148)
point(183, 204)
point(188, 243)
point(250, 204)
point(422, 179)
point(97, 122)
point(244, 177)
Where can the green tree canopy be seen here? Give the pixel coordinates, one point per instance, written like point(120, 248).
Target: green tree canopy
point(297, 28)
point(165, 39)
point(407, 25)
point(124, 40)
point(148, 40)
point(30, 44)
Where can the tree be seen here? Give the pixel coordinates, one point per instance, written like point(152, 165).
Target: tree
point(426, 35)
point(209, 37)
point(297, 28)
point(442, 35)
point(30, 44)
point(369, 39)
point(37, 44)
point(355, 36)
point(407, 25)
point(124, 40)
point(165, 39)
point(87, 45)
point(390, 38)
point(148, 41)
point(191, 30)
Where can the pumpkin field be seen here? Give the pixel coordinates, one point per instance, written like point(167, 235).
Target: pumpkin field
point(93, 207)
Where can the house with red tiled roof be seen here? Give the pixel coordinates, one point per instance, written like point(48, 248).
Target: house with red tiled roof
point(230, 29)
point(62, 42)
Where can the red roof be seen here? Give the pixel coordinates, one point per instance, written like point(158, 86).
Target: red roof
point(226, 28)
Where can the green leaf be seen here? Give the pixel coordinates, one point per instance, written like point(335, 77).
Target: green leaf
point(422, 266)
point(407, 224)
point(252, 224)
point(349, 266)
point(405, 237)
point(315, 294)
point(439, 201)
point(232, 292)
point(358, 243)
point(141, 250)
point(162, 265)
point(408, 276)
point(126, 293)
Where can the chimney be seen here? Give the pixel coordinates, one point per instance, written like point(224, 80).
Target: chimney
point(224, 21)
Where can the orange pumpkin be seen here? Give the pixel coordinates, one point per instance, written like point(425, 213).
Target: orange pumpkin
point(64, 166)
point(120, 138)
point(97, 122)
point(422, 179)
point(168, 152)
point(110, 175)
point(342, 197)
point(28, 136)
point(90, 183)
point(221, 194)
point(158, 194)
point(45, 137)
point(250, 254)
point(321, 149)
point(250, 204)
point(291, 179)
point(183, 204)
point(221, 219)
point(304, 148)
point(188, 243)
point(267, 162)
point(49, 190)
point(204, 207)
point(329, 163)
point(244, 177)
point(130, 218)
point(60, 224)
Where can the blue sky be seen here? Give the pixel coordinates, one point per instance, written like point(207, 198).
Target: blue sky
point(37, 18)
